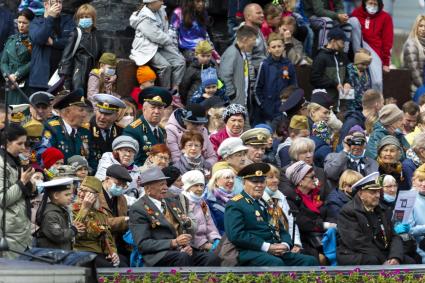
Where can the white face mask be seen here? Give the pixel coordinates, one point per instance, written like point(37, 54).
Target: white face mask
point(126, 120)
point(371, 9)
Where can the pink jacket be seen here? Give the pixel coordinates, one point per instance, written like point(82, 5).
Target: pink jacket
point(217, 138)
point(175, 130)
point(205, 227)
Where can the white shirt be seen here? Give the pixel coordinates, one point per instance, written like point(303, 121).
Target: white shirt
point(153, 128)
point(68, 127)
point(157, 203)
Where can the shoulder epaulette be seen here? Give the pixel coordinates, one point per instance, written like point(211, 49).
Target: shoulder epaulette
point(136, 123)
point(86, 126)
point(54, 123)
point(95, 72)
point(237, 197)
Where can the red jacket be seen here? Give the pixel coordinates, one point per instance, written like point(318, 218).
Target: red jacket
point(377, 31)
point(135, 95)
point(217, 138)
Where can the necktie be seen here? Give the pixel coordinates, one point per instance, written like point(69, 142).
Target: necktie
point(155, 133)
point(164, 207)
point(106, 131)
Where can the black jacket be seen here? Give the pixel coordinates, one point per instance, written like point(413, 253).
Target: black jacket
point(76, 69)
point(366, 238)
point(56, 231)
point(324, 71)
point(192, 79)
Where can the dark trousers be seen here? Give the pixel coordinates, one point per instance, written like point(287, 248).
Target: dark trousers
point(198, 258)
point(101, 261)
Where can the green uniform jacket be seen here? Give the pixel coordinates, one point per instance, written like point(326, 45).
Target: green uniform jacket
point(321, 8)
point(247, 226)
point(55, 132)
point(142, 133)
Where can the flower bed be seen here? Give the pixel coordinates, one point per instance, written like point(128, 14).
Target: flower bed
point(355, 276)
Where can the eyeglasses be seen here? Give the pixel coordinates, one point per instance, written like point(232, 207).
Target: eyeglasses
point(162, 157)
point(310, 176)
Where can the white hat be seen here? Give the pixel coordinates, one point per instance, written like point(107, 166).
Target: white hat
point(149, 1)
point(230, 146)
point(368, 182)
point(192, 178)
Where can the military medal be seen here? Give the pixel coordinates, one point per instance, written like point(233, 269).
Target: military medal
point(257, 213)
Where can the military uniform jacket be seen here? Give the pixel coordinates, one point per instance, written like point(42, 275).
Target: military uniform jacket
point(141, 131)
point(57, 136)
point(98, 146)
point(152, 232)
point(247, 225)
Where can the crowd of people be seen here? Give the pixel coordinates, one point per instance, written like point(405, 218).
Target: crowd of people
point(213, 159)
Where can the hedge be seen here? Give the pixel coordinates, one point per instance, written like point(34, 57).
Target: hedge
point(355, 276)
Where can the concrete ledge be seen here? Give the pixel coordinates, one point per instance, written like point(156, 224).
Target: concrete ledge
point(17, 271)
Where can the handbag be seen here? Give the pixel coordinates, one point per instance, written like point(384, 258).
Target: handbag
point(55, 77)
point(227, 252)
point(315, 240)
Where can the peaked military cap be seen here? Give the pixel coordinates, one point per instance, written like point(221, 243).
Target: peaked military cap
point(107, 103)
point(93, 183)
point(17, 112)
point(257, 136)
point(370, 182)
point(41, 98)
point(255, 172)
point(156, 96)
point(294, 102)
point(75, 98)
point(58, 185)
point(321, 97)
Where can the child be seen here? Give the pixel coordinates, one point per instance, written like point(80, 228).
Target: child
point(153, 44)
point(236, 69)
point(359, 78)
point(272, 17)
point(211, 86)
point(192, 77)
point(56, 231)
point(104, 78)
point(276, 73)
point(293, 48)
point(52, 158)
point(81, 166)
point(206, 237)
point(146, 78)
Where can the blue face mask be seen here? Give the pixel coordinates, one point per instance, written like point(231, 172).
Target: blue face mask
point(269, 191)
point(116, 191)
point(356, 157)
point(54, 171)
point(388, 198)
point(85, 23)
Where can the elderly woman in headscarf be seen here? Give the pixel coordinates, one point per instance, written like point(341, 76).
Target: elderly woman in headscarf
point(234, 116)
point(220, 191)
point(389, 156)
point(304, 199)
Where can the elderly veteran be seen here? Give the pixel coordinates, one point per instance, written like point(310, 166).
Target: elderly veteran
point(256, 140)
point(102, 126)
point(234, 117)
point(89, 210)
point(146, 130)
point(67, 132)
point(124, 149)
point(366, 232)
point(351, 157)
point(247, 223)
point(161, 230)
point(234, 153)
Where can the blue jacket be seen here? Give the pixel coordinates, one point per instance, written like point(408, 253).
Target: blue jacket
point(41, 29)
point(409, 168)
point(197, 97)
point(329, 245)
point(375, 137)
point(321, 151)
point(333, 204)
point(7, 27)
point(273, 77)
point(217, 212)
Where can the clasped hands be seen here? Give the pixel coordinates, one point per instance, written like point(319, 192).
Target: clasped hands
point(277, 249)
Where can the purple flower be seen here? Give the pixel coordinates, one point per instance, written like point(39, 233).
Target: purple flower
point(129, 271)
point(276, 274)
point(357, 269)
point(293, 275)
point(101, 280)
point(173, 271)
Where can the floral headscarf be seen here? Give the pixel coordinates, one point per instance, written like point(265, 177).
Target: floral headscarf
point(322, 131)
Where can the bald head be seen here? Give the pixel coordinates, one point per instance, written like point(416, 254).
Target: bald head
point(253, 14)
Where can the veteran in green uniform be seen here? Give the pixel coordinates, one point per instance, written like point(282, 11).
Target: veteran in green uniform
point(103, 130)
point(66, 132)
point(146, 129)
point(247, 225)
point(255, 140)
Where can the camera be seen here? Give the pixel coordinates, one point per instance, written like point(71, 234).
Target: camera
point(356, 141)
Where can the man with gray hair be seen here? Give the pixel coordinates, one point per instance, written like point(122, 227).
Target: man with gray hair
point(146, 129)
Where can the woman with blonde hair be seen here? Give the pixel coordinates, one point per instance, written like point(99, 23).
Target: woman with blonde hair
point(76, 67)
point(220, 191)
point(126, 115)
point(413, 54)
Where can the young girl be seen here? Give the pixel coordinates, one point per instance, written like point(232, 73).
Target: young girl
point(104, 78)
point(76, 67)
point(153, 44)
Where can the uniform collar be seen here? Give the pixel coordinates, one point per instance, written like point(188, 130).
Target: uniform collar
point(68, 127)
